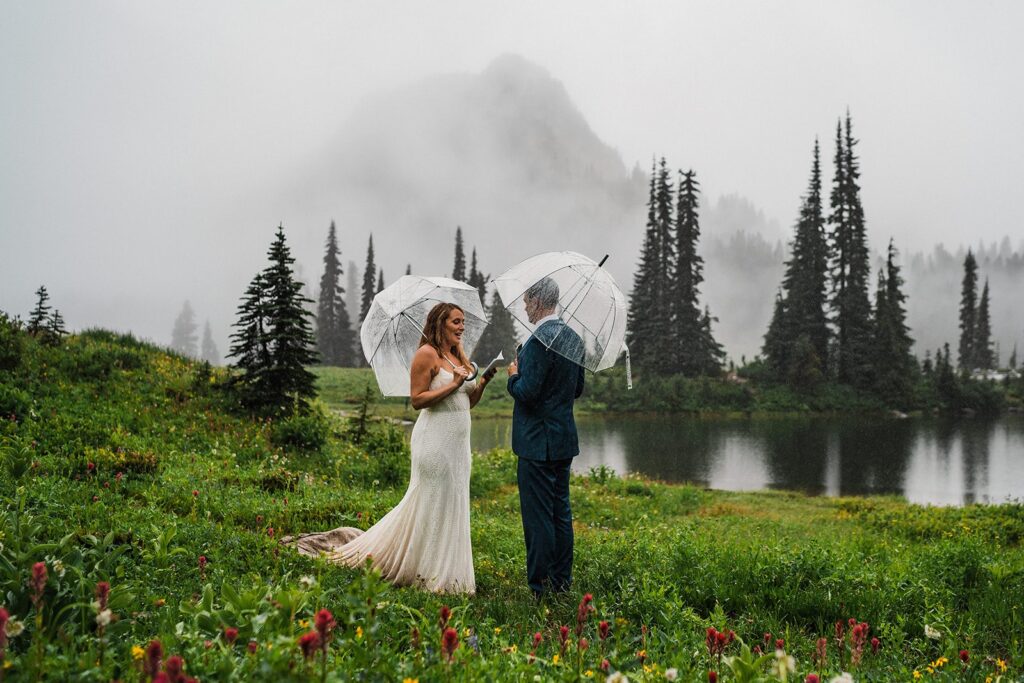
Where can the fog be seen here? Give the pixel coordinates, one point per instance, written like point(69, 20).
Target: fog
point(148, 151)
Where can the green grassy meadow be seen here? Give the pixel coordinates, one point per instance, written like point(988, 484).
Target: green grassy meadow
point(125, 464)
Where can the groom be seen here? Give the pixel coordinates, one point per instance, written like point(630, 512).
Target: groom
point(544, 385)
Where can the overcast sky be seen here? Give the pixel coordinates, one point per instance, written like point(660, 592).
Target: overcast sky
point(129, 131)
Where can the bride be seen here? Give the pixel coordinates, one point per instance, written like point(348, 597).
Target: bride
point(424, 540)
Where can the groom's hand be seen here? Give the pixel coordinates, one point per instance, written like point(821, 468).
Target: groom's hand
point(513, 368)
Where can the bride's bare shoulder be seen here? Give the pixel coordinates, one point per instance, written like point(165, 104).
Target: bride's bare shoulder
point(426, 356)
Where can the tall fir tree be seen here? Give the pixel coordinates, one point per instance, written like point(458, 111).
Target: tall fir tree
point(851, 269)
point(408, 269)
point(380, 281)
point(1012, 363)
point(289, 333)
point(333, 330)
point(184, 336)
point(209, 351)
point(55, 329)
point(712, 354)
point(640, 320)
point(369, 282)
point(687, 272)
point(41, 313)
point(353, 293)
point(968, 314)
point(500, 334)
point(477, 279)
point(778, 339)
point(459, 269)
point(894, 364)
point(250, 346)
point(806, 280)
point(984, 356)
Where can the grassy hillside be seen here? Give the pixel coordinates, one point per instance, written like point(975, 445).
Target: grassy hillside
point(125, 464)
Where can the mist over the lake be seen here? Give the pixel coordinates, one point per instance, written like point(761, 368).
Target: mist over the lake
point(148, 152)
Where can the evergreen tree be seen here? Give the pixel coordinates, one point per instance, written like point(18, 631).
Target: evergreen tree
point(289, 333)
point(778, 339)
point(334, 331)
point(184, 336)
point(55, 329)
point(250, 345)
point(662, 345)
point(1013, 358)
point(712, 354)
point(851, 270)
point(894, 365)
point(926, 364)
point(380, 281)
point(478, 279)
point(369, 287)
point(459, 270)
point(210, 353)
point(640, 320)
point(806, 280)
point(500, 334)
point(946, 385)
point(41, 313)
point(408, 269)
point(984, 358)
point(968, 314)
point(690, 354)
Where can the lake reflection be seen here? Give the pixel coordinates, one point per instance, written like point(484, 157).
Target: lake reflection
point(927, 460)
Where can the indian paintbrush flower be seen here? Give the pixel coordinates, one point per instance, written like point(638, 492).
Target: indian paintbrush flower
point(309, 643)
point(154, 658)
point(445, 615)
point(230, 635)
point(38, 583)
point(449, 643)
point(603, 629)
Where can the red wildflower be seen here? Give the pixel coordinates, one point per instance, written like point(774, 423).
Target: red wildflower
point(259, 519)
point(102, 593)
point(711, 639)
point(270, 531)
point(91, 467)
point(780, 643)
point(767, 637)
point(563, 637)
point(712, 677)
point(603, 629)
point(174, 667)
point(875, 645)
point(446, 614)
point(757, 649)
point(721, 639)
point(811, 678)
point(230, 635)
point(449, 643)
point(154, 658)
point(309, 643)
point(4, 616)
point(605, 665)
point(965, 656)
point(852, 622)
point(38, 582)
point(821, 652)
point(583, 644)
point(537, 638)
point(118, 477)
point(324, 625)
point(582, 612)
point(253, 646)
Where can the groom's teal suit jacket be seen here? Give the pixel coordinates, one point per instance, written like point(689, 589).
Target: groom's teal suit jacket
point(544, 390)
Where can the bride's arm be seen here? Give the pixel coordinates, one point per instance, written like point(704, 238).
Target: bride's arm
point(420, 394)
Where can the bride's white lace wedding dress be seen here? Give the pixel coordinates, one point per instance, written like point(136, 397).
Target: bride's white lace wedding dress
point(424, 540)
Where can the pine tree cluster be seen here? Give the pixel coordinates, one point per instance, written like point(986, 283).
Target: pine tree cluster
point(334, 338)
point(668, 331)
point(274, 342)
point(975, 351)
point(46, 326)
point(823, 324)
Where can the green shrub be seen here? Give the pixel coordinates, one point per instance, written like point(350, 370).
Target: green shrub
point(12, 343)
point(301, 432)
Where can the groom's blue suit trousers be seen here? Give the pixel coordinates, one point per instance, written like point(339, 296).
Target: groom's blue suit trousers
point(547, 522)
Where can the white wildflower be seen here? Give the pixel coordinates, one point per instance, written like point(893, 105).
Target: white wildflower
point(307, 582)
point(14, 627)
point(104, 618)
point(617, 677)
point(59, 567)
point(671, 674)
point(844, 677)
point(784, 664)
point(933, 633)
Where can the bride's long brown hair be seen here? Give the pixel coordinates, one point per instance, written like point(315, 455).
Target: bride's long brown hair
point(433, 332)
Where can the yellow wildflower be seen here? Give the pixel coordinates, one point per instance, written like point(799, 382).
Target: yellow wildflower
point(648, 669)
point(304, 623)
point(137, 652)
point(497, 630)
point(554, 659)
point(589, 673)
point(465, 632)
point(410, 680)
point(359, 632)
point(1002, 665)
point(917, 674)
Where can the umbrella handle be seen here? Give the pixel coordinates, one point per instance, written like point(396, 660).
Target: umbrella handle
point(476, 371)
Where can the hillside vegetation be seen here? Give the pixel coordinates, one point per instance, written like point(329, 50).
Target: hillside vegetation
point(127, 466)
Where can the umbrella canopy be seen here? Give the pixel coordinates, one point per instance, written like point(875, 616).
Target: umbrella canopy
point(391, 331)
point(590, 304)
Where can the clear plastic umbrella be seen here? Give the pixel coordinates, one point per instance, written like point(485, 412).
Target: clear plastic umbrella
point(391, 331)
point(589, 302)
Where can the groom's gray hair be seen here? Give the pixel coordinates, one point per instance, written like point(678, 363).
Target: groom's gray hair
point(544, 292)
